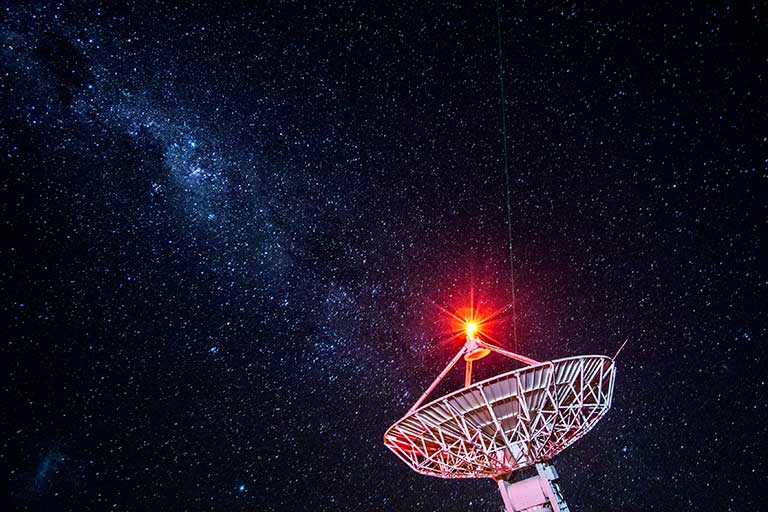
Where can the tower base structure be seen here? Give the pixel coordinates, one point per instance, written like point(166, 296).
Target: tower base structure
point(538, 493)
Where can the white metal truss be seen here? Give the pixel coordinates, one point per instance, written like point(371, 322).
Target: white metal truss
point(505, 423)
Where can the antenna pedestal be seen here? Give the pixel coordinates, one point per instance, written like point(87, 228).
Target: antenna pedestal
point(539, 493)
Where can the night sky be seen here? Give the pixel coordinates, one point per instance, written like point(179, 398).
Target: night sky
point(226, 230)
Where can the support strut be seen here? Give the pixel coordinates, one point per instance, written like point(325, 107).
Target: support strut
point(472, 344)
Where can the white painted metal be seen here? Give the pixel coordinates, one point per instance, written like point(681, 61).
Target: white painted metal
point(473, 343)
point(539, 493)
point(505, 423)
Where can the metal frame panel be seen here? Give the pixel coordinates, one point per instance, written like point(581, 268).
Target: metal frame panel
point(505, 423)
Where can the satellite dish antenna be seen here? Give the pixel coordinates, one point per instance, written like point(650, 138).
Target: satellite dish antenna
point(500, 427)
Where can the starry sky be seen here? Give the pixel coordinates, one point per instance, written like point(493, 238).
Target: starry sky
point(226, 229)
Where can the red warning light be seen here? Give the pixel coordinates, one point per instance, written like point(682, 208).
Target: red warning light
point(471, 322)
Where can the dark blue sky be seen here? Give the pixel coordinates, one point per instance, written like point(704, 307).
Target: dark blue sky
point(225, 229)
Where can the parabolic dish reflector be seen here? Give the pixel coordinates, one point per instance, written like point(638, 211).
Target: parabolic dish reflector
point(508, 422)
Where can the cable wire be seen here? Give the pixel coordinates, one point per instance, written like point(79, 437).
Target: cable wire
point(506, 174)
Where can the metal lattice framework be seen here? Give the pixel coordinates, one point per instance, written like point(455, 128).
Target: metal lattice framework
point(505, 423)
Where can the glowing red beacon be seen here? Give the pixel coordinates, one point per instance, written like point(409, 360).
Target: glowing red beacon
point(504, 425)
